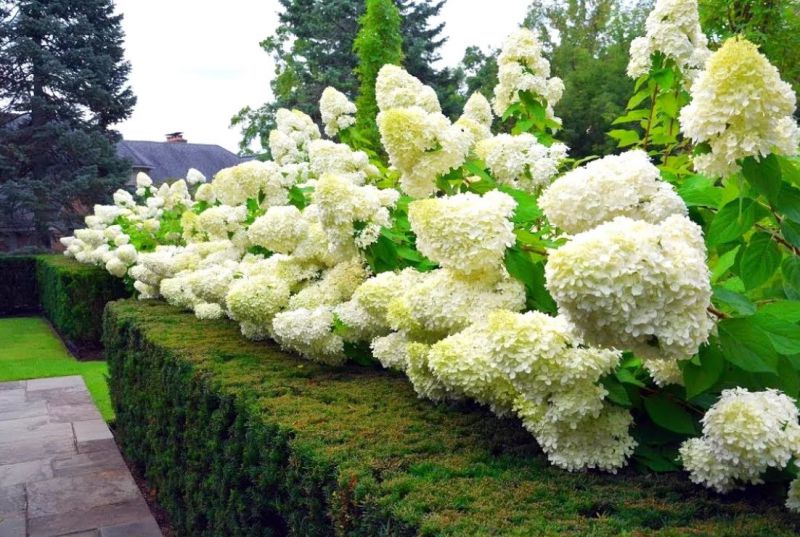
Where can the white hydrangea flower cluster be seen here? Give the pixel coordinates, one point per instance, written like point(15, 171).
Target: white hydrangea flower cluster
point(673, 29)
point(477, 117)
point(308, 332)
point(106, 240)
point(534, 364)
point(337, 112)
point(366, 314)
point(744, 434)
point(406, 312)
point(444, 301)
point(221, 222)
point(740, 107)
point(629, 284)
point(251, 180)
point(293, 133)
point(343, 205)
point(326, 157)
point(280, 229)
point(420, 141)
point(616, 185)
point(395, 88)
point(520, 161)
point(484, 230)
point(523, 68)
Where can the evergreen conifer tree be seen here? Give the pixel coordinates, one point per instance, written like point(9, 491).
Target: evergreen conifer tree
point(63, 83)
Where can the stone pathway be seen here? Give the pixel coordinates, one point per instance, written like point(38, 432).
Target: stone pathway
point(61, 473)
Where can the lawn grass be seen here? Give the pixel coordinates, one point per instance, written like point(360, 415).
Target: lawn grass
point(29, 349)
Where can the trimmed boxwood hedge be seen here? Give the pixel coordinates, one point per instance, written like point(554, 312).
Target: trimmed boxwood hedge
point(19, 292)
point(73, 296)
point(240, 438)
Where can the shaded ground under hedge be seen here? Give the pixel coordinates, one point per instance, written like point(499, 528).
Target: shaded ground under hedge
point(240, 438)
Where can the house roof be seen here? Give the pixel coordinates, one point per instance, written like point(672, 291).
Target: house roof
point(163, 161)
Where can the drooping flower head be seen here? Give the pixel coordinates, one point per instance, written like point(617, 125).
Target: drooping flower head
point(744, 434)
point(628, 284)
point(465, 232)
point(740, 107)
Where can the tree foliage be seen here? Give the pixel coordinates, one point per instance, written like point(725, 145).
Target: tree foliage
point(313, 49)
point(379, 42)
point(63, 82)
point(587, 43)
point(774, 25)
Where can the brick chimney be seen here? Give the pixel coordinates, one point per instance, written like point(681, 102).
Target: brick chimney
point(176, 138)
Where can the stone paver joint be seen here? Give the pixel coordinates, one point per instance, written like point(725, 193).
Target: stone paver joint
point(61, 473)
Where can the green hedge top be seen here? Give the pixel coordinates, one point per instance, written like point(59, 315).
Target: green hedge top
point(243, 439)
point(73, 296)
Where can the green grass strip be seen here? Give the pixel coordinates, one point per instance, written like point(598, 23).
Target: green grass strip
point(29, 349)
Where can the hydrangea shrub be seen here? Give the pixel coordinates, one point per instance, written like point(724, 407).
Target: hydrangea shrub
point(635, 306)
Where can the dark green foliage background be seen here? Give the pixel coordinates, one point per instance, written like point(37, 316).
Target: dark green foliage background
point(73, 296)
point(70, 294)
point(63, 83)
point(19, 293)
point(239, 438)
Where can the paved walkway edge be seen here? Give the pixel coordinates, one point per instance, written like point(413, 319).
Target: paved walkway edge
point(61, 473)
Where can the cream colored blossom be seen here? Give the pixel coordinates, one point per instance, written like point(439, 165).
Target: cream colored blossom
point(740, 107)
point(342, 205)
point(632, 285)
point(477, 117)
point(326, 157)
point(523, 68)
point(443, 302)
point(310, 332)
point(673, 29)
point(616, 185)
point(289, 141)
point(744, 434)
point(395, 88)
point(464, 232)
point(337, 112)
point(521, 161)
point(423, 146)
point(250, 180)
point(280, 229)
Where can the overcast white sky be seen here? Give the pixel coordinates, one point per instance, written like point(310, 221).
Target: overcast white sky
point(196, 62)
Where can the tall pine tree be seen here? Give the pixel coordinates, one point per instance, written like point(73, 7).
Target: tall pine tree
point(63, 83)
point(313, 48)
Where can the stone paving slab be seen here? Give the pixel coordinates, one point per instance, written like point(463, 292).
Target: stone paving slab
point(61, 473)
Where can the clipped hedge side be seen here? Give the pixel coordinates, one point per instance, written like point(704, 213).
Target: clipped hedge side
point(239, 438)
point(73, 296)
point(19, 292)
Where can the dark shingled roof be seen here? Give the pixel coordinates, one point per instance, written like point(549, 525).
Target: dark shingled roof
point(164, 161)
